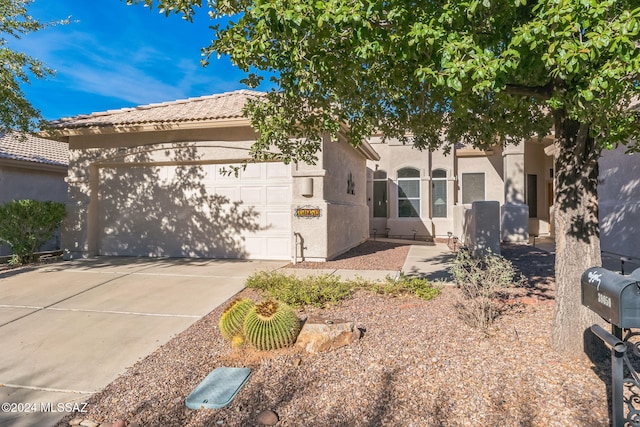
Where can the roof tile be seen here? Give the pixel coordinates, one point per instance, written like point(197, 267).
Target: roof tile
point(220, 106)
point(29, 148)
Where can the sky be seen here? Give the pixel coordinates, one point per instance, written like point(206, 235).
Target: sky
point(114, 56)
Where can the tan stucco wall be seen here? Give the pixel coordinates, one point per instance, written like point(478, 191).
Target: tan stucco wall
point(395, 156)
point(619, 203)
point(538, 163)
point(32, 183)
point(343, 223)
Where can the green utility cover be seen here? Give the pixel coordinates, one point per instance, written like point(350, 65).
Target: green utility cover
point(218, 389)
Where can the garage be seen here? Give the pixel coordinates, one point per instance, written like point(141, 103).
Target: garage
point(147, 181)
point(195, 210)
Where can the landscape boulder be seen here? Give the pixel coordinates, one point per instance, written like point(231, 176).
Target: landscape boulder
point(319, 334)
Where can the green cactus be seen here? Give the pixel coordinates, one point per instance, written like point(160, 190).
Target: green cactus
point(232, 319)
point(271, 325)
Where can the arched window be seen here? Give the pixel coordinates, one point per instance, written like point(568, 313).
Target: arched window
point(408, 193)
point(439, 193)
point(379, 194)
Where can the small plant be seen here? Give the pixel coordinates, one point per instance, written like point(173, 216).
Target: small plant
point(404, 285)
point(28, 224)
point(482, 282)
point(232, 320)
point(271, 325)
point(318, 291)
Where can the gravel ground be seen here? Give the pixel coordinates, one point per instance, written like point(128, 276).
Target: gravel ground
point(417, 364)
point(371, 255)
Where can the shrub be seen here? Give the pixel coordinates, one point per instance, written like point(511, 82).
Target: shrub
point(404, 285)
point(317, 291)
point(28, 224)
point(483, 281)
point(271, 325)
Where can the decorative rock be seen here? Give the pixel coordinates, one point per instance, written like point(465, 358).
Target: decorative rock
point(76, 421)
point(267, 418)
point(319, 334)
point(89, 423)
point(119, 423)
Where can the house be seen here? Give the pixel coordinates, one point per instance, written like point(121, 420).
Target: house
point(151, 181)
point(32, 168)
point(422, 194)
point(619, 205)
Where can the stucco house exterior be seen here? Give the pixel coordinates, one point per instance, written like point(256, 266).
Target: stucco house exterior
point(428, 194)
point(150, 181)
point(619, 204)
point(32, 168)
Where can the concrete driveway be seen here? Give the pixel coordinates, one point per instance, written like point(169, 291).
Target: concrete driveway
point(69, 329)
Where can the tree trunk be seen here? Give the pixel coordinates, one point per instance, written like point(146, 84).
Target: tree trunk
point(577, 236)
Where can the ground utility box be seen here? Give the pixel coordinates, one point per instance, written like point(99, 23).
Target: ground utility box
point(615, 297)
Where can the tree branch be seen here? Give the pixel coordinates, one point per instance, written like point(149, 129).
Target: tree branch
point(541, 92)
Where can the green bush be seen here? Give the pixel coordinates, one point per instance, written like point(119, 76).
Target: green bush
point(323, 290)
point(404, 285)
point(318, 291)
point(28, 224)
point(483, 282)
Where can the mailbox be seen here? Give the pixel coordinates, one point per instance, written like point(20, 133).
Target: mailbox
point(613, 296)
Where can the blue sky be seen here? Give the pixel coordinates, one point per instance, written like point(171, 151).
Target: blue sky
point(114, 56)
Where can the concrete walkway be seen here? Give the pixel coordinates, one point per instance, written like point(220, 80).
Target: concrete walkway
point(67, 330)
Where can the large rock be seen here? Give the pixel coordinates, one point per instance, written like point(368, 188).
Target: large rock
point(319, 334)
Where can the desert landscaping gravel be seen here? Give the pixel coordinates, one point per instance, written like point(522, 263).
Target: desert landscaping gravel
point(417, 364)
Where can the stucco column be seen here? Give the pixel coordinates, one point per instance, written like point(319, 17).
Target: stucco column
point(514, 212)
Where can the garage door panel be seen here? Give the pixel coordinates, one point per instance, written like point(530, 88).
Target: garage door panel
point(163, 216)
point(278, 195)
point(278, 221)
point(252, 195)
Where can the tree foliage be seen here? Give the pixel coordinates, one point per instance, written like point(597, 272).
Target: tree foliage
point(16, 68)
point(28, 224)
point(446, 71)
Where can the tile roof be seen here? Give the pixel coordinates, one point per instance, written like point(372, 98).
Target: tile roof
point(29, 148)
point(213, 107)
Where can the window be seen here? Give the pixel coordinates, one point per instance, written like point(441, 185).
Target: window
point(380, 194)
point(472, 187)
point(439, 193)
point(532, 195)
point(408, 193)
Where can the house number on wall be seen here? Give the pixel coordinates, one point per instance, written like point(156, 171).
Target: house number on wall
point(307, 212)
point(351, 186)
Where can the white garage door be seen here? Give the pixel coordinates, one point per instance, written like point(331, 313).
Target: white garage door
point(195, 211)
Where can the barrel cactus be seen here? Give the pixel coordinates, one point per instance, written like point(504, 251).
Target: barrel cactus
point(232, 320)
point(271, 325)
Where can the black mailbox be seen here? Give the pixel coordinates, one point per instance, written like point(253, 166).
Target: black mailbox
point(613, 296)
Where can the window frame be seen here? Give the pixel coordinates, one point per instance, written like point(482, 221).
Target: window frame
point(440, 180)
point(462, 187)
point(384, 180)
point(418, 198)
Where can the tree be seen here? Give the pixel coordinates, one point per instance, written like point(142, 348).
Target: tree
point(438, 72)
point(16, 112)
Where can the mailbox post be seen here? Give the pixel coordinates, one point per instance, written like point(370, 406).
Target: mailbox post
point(616, 298)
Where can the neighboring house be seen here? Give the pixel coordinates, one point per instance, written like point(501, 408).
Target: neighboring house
point(619, 204)
point(147, 181)
point(32, 168)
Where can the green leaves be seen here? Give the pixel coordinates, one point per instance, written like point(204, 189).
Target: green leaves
point(28, 224)
point(481, 70)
